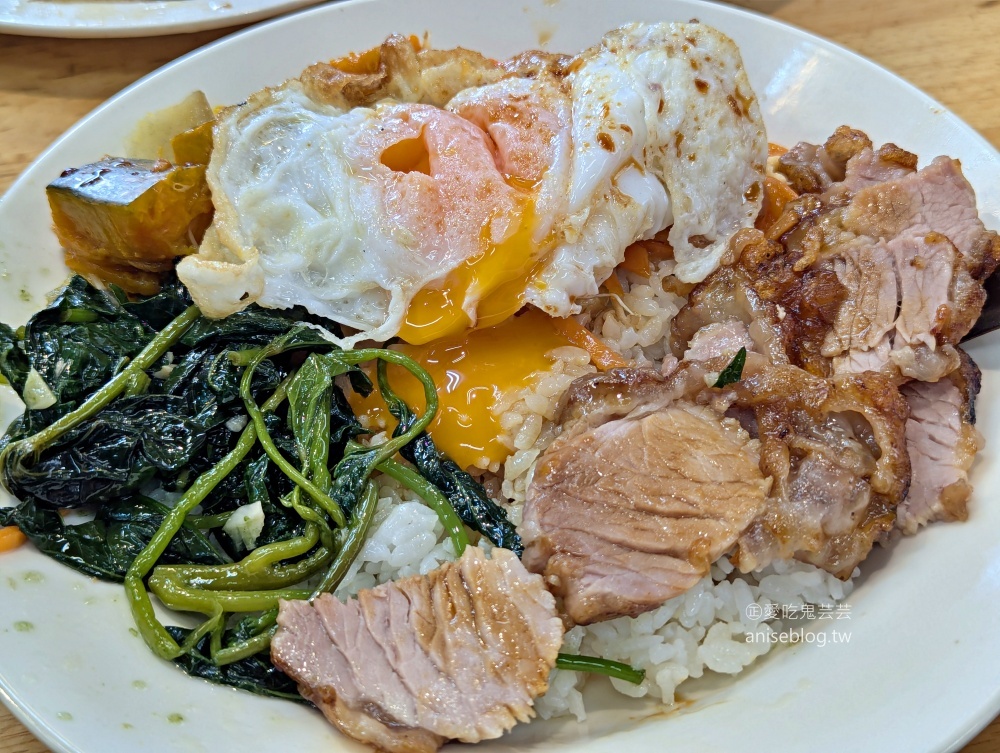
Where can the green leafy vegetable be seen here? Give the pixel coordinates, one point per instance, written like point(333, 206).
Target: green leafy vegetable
point(156, 311)
point(463, 492)
point(114, 453)
point(15, 452)
point(107, 545)
point(319, 495)
point(77, 343)
point(150, 398)
point(351, 474)
point(14, 364)
point(280, 522)
point(153, 632)
point(734, 371)
point(258, 581)
point(309, 397)
point(351, 539)
point(255, 674)
point(599, 666)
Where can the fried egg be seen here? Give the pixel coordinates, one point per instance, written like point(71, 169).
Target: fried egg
point(417, 193)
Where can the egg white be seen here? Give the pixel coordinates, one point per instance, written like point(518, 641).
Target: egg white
point(655, 126)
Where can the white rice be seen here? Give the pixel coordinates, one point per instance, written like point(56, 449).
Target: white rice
point(527, 415)
point(406, 538)
point(703, 630)
point(637, 324)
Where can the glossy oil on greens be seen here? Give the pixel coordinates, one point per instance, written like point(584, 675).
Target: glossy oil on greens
point(160, 423)
point(163, 424)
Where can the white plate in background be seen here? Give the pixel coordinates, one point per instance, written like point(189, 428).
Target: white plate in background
point(922, 669)
point(133, 18)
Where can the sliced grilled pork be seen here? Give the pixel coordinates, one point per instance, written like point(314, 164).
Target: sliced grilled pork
point(459, 653)
point(728, 299)
point(594, 400)
point(811, 168)
point(909, 255)
point(942, 441)
point(653, 477)
point(881, 268)
point(868, 167)
point(877, 267)
point(623, 515)
point(724, 338)
point(836, 451)
point(845, 160)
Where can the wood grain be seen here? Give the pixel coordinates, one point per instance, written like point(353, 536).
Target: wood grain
point(945, 47)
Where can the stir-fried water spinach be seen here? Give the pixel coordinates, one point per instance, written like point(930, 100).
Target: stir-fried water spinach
point(215, 463)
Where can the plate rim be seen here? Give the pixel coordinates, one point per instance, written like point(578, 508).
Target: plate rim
point(231, 16)
point(963, 732)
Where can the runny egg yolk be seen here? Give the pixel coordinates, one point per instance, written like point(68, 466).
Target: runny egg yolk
point(471, 370)
point(493, 281)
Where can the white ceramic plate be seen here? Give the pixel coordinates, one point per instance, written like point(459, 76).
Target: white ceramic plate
point(133, 18)
point(922, 669)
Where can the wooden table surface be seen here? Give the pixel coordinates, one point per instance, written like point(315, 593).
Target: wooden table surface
point(946, 47)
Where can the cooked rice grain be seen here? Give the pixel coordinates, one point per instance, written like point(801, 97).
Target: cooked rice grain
point(704, 629)
point(637, 324)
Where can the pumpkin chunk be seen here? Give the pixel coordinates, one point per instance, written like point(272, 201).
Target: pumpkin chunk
point(125, 221)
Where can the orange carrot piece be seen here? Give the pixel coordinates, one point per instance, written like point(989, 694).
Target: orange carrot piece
point(659, 248)
point(602, 356)
point(774, 150)
point(11, 538)
point(637, 260)
point(777, 193)
point(613, 285)
point(369, 60)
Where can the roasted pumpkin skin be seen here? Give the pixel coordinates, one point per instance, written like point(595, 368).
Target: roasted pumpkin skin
point(125, 221)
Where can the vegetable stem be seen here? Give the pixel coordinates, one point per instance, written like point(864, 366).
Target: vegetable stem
point(242, 650)
point(434, 499)
point(137, 385)
point(352, 539)
point(343, 360)
point(149, 355)
point(170, 587)
point(210, 521)
point(390, 448)
point(236, 577)
point(257, 417)
point(597, 665)
point(78, 316)
point(155, 635)
point(265, 557)
point(463, 494)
